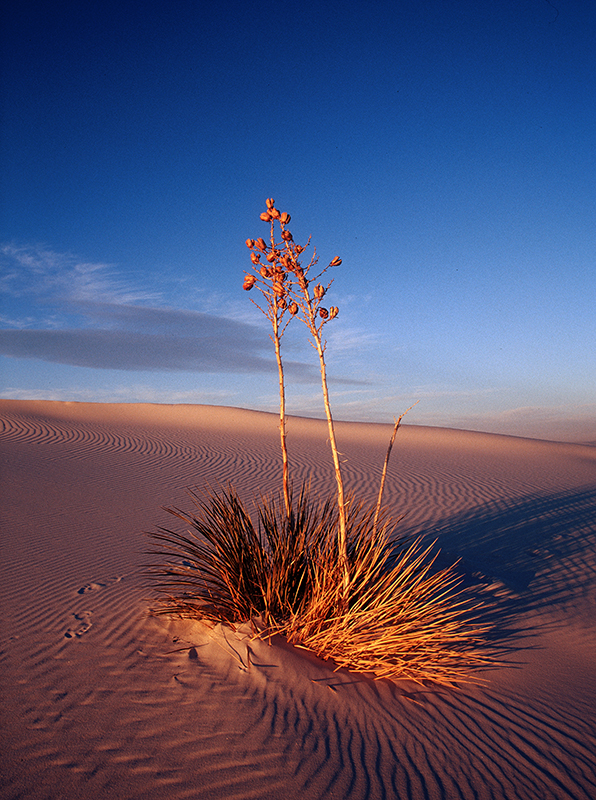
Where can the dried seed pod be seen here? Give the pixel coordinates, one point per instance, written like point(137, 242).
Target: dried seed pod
point(333, 312)
point(249, 282)
point(293, 309)
point(286, 236)
point(279, 289)
point(299, 249)
point(319, 291)
point(272, 256)
point(281, 302)
point(270, 202)
point(265, 273)
point(286, 261)
point(254, 257)
point(285, 218)
point(261, 245)
point(323, 313)
point(274, 213)
point(336, 262)
point(250, 243)
point(265, 216)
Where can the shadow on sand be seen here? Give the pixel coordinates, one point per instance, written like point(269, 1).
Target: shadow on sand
point(532, 559)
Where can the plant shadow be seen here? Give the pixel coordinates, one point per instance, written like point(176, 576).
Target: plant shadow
point(530, 563)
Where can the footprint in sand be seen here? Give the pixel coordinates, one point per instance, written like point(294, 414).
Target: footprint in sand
point(91, 587)
point(95, 585)
point(83, 619)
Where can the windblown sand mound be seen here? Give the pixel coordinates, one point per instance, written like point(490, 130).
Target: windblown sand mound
point(102, 700)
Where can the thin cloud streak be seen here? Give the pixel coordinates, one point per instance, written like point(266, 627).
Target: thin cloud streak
point(125, 393)
point(37, 271)
point(82, 314)
point(106, 349)
point(175, 321)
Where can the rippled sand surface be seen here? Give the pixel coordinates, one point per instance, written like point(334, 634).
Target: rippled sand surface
point(102, 700)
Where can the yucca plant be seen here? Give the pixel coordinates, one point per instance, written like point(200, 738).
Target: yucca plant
point(328, 574)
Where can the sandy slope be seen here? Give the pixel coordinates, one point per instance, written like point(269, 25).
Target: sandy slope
point(101, 700)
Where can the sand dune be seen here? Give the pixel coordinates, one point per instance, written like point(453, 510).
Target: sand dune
point(102, 700)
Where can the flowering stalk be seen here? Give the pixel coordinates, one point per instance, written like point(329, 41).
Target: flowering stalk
point(315, 316)
point(270, 279)
point(285, 286)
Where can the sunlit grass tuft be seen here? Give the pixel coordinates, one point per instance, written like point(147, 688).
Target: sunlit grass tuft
point(401, 618)
point(227, 569)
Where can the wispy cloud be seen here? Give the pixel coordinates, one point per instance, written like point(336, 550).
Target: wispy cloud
point(122, 349)
point(86, 315)
point(344, 339)
point(36, 271)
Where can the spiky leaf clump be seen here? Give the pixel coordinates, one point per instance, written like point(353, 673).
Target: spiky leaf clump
point(400, 619)
point(226, 569)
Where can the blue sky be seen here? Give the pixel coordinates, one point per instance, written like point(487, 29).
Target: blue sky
point(444, 150)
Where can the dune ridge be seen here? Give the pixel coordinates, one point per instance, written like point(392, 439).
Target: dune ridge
point(101, 699)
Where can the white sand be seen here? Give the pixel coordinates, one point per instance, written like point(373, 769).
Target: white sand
point(96, 704)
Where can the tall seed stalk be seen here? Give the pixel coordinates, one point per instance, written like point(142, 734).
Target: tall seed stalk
point(270, 284)
point(309, 309)
point(284, 285)
point(386, 464)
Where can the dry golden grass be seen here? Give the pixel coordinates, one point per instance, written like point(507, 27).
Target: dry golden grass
point(227, 569)
point(401, 618)
point(405, 621)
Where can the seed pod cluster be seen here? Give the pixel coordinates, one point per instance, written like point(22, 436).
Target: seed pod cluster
point(282, 280)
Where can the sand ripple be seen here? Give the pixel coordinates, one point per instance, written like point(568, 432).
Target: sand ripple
point(102, 700)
